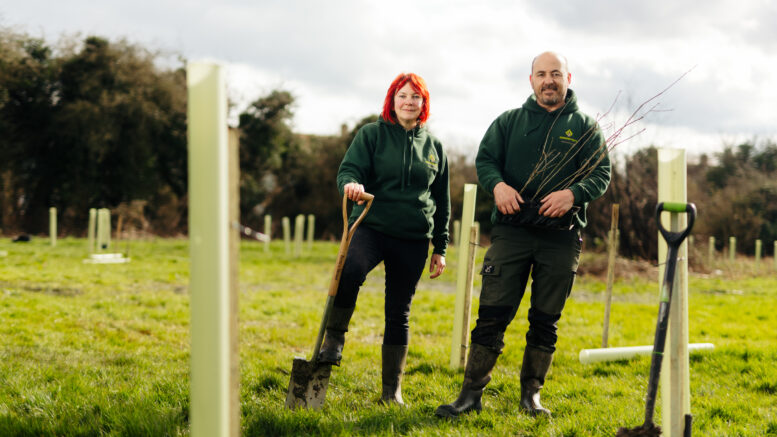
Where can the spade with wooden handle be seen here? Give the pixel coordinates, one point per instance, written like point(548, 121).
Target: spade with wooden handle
point(310, 379)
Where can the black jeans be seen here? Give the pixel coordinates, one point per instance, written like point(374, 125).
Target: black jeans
point(404, 261)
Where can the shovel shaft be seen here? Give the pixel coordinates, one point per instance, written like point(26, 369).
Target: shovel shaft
point(330, 300)
point(673, 242)
point(345, 242)
point(660, 338)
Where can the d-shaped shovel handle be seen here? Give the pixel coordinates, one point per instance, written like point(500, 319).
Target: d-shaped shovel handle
point(674, 239)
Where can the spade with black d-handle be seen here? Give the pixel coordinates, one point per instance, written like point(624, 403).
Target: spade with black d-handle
point(310, 379)
point(673, 242)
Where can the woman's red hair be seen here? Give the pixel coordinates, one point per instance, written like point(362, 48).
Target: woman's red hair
point(418, 84)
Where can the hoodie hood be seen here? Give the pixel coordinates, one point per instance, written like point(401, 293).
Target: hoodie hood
point(531, 105)
point(570, 104)
point(416, 130)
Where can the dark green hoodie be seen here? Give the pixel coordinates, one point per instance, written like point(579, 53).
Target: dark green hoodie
point(407, 171)
point(538, 152)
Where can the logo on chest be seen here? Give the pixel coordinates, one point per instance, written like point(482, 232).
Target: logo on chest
point(431, 161)
point(568, 138)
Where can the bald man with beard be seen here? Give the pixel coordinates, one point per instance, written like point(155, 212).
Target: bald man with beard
point(543, 162)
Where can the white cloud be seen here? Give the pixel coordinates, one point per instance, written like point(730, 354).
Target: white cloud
point(338, 58)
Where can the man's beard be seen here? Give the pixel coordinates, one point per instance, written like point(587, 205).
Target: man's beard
point(551, 100)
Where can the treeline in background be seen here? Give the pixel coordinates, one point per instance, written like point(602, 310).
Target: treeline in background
point(92, 123)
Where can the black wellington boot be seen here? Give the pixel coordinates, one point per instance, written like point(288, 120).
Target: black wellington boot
point(334, 339)
point(535, 367)
point(394, 359)
point(478, 373)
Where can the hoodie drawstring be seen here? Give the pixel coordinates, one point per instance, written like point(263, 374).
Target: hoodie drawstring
point(405, 182)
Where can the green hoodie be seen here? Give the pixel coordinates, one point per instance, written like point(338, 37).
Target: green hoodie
point(538, 152)
point(407, 171)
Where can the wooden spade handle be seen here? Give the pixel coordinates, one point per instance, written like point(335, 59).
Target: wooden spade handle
point(345, 242)
point(341, 254)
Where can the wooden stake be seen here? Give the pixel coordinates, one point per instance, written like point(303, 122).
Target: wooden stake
point(92, 228)
point(612, 249)
point(233, 289)
point(474, 237)
point(459, 328)
point(711, 251)
point(53, 226)
point(119, 223)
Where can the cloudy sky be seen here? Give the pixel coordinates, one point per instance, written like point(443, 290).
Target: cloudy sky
point(338, 57)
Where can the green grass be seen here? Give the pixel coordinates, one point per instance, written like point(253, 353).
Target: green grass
point(93, 350)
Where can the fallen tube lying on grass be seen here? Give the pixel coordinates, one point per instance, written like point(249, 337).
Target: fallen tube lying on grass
point(107, 258)
point(588, 356)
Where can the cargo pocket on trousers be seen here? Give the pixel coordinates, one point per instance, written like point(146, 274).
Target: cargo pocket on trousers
point(490, 270)
point(492, 291)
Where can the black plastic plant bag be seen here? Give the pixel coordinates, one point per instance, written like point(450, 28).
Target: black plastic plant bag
point(529, 215)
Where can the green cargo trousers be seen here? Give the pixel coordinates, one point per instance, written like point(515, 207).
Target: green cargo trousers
point(551, 258)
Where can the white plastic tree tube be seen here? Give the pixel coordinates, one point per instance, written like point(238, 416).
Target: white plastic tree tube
point(588, 356)
point(215, 408)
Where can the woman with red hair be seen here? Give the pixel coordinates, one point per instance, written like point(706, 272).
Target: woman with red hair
point(404, 166)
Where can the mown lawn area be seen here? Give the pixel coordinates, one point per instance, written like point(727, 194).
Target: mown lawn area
point(94, 350)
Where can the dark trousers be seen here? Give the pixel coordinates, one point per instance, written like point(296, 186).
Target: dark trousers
point(551, 258)
point(404, 261)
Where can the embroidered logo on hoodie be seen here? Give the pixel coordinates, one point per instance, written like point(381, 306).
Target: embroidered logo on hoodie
point(568, 138)
point(431, 161)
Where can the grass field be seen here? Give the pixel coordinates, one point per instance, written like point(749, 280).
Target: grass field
point(94, 350)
